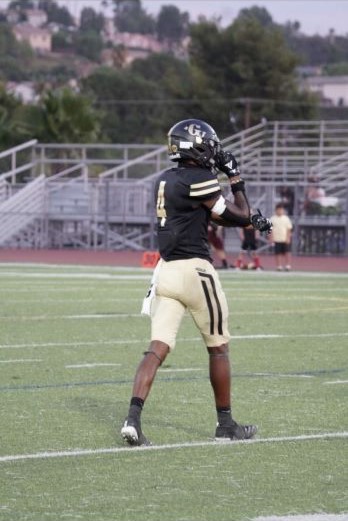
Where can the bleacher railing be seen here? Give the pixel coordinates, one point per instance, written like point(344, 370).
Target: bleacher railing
point(101, 195)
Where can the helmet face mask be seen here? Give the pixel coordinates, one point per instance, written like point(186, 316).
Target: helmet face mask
point(193, 139)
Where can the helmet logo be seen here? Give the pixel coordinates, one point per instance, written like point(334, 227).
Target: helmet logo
point(195, 130)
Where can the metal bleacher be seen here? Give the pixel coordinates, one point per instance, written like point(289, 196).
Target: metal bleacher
point(101, 196)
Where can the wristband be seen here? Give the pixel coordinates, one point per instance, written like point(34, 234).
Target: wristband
point(238, 187)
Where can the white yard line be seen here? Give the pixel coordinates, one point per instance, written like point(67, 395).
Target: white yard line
point(305, 517)
point(116, 450)
point(97, 316)
point(93, 300)
point(91, 316)
point(336, 382)
point(190, 339)
point(73, 289)
point(86, 343)
point(88, 366)
point(94, 276)
point(100, 298)
point(183, 370)
point(236, 288)
point(21, 361)
point(280, 375)
point(23, 270)
point(76, 267)
point(300, 335)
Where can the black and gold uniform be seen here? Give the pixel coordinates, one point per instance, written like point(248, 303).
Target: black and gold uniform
point(182, 220)
point(186, 278)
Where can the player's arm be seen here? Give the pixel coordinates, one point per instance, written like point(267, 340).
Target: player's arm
point(207, 192)
point(237, 213)
point(228, 213)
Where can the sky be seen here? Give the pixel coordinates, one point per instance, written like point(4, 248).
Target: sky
point(315, 16)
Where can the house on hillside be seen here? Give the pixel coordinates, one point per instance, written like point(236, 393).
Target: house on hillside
point(109, 30)
point(332, 89)
point(25, 91)
point(138, 45)
point(39, 39)
point(12, 16)
point(133, 45)
point(36, 17)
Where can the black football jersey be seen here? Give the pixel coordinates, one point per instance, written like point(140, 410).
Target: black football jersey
point(182, 220)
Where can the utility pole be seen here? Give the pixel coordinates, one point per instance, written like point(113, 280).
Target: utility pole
point(247, 113)
point(247, 110)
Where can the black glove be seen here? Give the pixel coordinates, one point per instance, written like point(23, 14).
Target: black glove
point(227, 163)
point(260, 222)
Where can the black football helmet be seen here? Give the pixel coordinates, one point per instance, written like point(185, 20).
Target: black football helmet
point(193, 139)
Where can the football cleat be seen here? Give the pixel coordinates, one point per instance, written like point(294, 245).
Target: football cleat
point(234, 431)
point(131, 433)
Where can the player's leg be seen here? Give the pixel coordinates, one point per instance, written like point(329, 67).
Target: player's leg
point(144, 377)
point(254, 255)
point(287, 257)
point(220, 376)
point(218, 247)
point(220, 379)
point(278, 250)
point(240, 259)
point(256, 260)
point(208, 307)
point(166, 316)
point(147, 369)
point(242, 252)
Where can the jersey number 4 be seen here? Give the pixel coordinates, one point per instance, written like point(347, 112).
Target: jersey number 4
point(161, 208)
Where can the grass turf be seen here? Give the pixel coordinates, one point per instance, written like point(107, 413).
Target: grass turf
point(60, 324)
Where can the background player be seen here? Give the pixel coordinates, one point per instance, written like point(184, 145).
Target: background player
point(216, 242)
point(187, 197)
point(249, 237)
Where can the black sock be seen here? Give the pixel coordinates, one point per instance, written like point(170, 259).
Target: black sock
point(224, 263)
point(137, 401)
point(136, 406)
point(224, 415)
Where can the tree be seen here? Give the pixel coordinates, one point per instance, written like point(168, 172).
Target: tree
point(15, 57)
point(91, 21)
point(67, 117)
point(143, 101)
point(21, 5)
point(337, 69)
point(89, 44)
point(180, 87)
point(62, 41)
point(249, 61)
point(55, 13)
point(132, 18)
point(260, 14)
point(172, 25)
point(119, 96)
point(12, 129)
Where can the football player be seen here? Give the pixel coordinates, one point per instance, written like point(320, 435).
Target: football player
point(187, 197)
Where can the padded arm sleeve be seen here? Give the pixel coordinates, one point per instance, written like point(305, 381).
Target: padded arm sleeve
point(234, 218)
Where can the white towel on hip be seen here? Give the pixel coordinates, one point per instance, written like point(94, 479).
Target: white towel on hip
point(146, 307)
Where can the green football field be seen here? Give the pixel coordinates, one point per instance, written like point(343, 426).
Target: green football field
point(71, 338)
